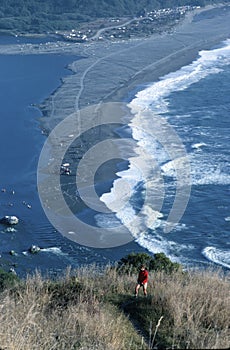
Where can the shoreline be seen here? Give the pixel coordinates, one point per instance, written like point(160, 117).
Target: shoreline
point(112, 71)
point(178, 58)
point(122, 79)
point(108, 72)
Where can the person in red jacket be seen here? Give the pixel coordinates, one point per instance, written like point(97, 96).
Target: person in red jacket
point(142, 280)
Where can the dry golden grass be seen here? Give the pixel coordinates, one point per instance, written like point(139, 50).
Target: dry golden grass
point(87, 312)
point(195, 307)
point(65, 314)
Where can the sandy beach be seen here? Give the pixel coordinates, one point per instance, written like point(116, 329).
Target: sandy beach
point(111, 71)
point(106, 71)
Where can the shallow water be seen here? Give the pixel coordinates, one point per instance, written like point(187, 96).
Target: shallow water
point(26, 81)
point(197, 108)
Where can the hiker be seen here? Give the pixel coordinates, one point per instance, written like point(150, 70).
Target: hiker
point(142, 280)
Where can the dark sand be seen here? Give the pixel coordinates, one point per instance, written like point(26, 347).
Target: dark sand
point(111, 71)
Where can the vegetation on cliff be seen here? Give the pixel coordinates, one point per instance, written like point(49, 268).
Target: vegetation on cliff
point(94, 308)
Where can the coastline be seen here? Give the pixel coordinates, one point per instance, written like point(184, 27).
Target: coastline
point(109, 72)
point(114, 71)
point(173, 56)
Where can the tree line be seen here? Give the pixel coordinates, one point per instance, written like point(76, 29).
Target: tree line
point(38, 16)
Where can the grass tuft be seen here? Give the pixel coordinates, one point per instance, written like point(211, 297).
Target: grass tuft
point(93, 309)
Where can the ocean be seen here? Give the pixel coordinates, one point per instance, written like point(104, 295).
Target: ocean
point(26, 81)
point(193, 102)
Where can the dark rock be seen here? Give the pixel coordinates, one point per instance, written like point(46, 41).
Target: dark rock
point(34, 249)
point(9, 220)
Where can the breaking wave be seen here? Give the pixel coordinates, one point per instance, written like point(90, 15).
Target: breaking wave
point(217, 256)
point(153, 167)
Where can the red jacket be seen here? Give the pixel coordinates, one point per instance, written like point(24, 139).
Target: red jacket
point(143, 276)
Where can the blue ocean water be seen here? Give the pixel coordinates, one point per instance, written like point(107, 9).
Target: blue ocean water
point(25, 82)
point(194, 103)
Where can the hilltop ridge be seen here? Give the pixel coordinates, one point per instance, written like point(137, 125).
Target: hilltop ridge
point(90, 308)
point(35, 16)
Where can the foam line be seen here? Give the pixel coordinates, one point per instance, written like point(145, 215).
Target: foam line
point(152, 158)
point(218, 256)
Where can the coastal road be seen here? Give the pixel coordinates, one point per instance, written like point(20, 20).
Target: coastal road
point(102, 30)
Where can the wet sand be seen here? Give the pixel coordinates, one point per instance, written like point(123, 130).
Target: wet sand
point(111, 71)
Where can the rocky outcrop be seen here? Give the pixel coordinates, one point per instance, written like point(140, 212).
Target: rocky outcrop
point(9, 220)
point(34, 249)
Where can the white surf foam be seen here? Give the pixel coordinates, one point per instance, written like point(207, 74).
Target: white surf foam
point(207, 171)
point(198, 145)
point(152, 158)
point(54, 250)
point(209, 62)
point(157, 244)
point(218, 256)
point(10, 229)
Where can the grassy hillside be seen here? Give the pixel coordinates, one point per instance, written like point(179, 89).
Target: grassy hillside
point(39, 16)
point(94, 309)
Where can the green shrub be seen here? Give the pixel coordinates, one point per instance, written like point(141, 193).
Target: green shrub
point(159, 262)
point(7, 280)
point(162, 263)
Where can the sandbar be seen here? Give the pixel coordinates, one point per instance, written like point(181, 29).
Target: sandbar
point(113, 71)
